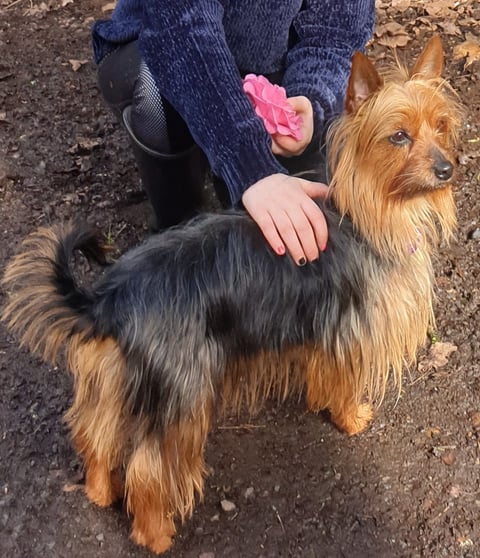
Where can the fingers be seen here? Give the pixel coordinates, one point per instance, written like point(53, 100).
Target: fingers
point(288, 218)
point(301, 105)
point(287, 146)
point(297, 233)
point(269, 230)
point(318, 223)
point(315, 190)
point(302, 230)
point(286, 234)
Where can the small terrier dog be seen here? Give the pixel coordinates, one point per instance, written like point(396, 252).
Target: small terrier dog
point(204, 317)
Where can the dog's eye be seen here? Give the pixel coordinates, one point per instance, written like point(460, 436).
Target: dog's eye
point(400, 138)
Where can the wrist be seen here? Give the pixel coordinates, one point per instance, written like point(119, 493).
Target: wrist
point(239, 173)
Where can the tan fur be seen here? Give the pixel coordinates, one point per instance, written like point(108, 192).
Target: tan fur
point(33, 329)
point(386, 218)
point(162, 473)
point(96, 418)
point(401, 312)
point(163, 477)
point(394, 201)
point(250, 381)
point(387, 210)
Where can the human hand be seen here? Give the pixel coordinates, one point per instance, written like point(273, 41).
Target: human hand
point(287, 146)
point(283, 208)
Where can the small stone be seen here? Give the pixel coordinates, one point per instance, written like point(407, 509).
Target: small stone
point(455, 491)
point(249, 493)
point(449, 458)
point(100, 537)
point(207, 555)
point(475, 418)
point(475, 235)
point(215, 517)
point(228, 506)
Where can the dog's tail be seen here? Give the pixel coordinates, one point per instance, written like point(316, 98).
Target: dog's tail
point(46, 305)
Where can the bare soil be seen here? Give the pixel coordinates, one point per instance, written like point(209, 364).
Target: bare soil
point(408, 487)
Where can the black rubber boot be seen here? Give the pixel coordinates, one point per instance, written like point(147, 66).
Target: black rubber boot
point(174, 183)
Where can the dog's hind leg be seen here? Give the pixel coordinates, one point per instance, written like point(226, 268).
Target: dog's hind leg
point(148, 498)
point(96, 419)
point(163, 476)
point(103, 484)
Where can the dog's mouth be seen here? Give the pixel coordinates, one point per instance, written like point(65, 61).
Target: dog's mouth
point(419, 189)
point(440, 185)
point(414, 184)
point(441, 176)
point(434, 185)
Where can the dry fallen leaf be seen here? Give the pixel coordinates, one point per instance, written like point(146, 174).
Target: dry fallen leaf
point(469, 49)
point(38, 9)
point(391, 34)
point(455, 491)
point(464, 541)
point(449, 458)
point(108, 7)
point(77, 64)
point(449, 28)
point(401, 5)
point(441, 8)
point(84, 145)
point(72, 487)
point(475, 418)
point(437, 356)
point(427, 22)
point(432, 431)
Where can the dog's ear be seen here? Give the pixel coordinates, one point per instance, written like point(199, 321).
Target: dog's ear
point(429, 64)
point(363, 81)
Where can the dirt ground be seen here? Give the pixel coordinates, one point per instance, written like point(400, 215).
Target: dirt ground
point(408, 487)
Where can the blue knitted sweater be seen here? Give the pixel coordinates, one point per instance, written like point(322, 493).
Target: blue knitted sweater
point(197, 50)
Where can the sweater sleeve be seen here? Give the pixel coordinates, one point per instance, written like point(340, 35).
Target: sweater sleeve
point(327, 33)
point(184, 46)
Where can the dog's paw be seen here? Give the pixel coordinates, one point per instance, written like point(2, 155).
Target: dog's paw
point(157, 544)
point(102, 496)
point(104, 490)
point(354, 421)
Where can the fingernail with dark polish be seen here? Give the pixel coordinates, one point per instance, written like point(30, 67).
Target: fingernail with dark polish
point(302, 261)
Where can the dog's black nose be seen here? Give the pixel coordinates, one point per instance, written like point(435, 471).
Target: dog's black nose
point(443, 169)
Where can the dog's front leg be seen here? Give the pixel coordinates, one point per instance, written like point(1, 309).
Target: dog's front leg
point(329, 386)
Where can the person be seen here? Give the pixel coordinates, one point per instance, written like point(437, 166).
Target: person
point(172, 71)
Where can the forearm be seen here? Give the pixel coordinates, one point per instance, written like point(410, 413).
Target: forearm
point(328, 32)
point(185, 48)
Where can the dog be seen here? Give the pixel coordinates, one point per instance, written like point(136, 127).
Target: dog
point(204, 318)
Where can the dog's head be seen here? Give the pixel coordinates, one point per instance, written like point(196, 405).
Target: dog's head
point(393, 149)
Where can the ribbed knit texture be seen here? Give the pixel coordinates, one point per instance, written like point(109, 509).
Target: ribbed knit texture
point(196, 49)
